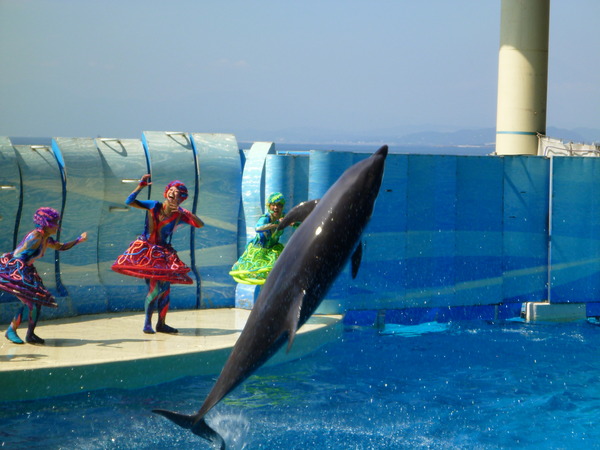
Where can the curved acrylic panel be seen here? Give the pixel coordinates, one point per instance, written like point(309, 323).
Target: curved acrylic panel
point(42, 186)
point(219, 192)
point(123, 162)
point(10, 193)
point(253, 182)
point(172, 157)
point(83, 204)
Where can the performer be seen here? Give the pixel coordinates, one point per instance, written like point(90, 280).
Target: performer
point(151, 256)
point(261, 252)
point(19, 277)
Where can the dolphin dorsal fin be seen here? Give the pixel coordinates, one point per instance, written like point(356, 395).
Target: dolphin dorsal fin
point(356, 259)
point(293, 318)
point(298, 213)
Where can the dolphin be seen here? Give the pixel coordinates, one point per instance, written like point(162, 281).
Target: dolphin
point(309, 264)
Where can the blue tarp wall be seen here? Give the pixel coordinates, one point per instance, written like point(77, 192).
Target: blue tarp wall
point(484, 233)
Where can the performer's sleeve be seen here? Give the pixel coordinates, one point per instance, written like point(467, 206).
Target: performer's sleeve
point(142, 204)
point(189, 218)
point(262, 221)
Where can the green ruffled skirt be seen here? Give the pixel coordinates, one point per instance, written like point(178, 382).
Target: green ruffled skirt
point(255, 263)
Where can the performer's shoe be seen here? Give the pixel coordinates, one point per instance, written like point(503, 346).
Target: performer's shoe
point(11, 335)
point(34, 339)
point(148, 329)
point(164, 328)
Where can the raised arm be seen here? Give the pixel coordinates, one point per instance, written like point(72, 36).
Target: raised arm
point(132, 199)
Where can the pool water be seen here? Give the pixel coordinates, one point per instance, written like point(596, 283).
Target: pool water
point(471, 385)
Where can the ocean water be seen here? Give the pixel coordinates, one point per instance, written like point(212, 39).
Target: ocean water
point(459, 150)
point(463, 385)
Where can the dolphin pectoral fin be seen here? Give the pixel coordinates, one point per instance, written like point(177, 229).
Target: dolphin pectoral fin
point(198, 427)
point(356, 259)
point(298, 213)
point(293, 318)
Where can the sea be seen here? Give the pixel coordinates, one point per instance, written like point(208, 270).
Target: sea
point(356, 147)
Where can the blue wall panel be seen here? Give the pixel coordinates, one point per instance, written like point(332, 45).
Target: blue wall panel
point(478, 239)
point(525, 248)
point(218, 206)
point(324, 170)
point(575, 230)
point(381, 278)
point(82, 208)
point(123, 163)
point(172, 157)
point(431, 214)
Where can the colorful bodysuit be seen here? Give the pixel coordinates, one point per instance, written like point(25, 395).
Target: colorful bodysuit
point(151, 256)
point(19, 277)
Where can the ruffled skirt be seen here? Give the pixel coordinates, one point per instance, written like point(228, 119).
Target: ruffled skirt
point(22, 280)
point(255, 263)
point(152, 261)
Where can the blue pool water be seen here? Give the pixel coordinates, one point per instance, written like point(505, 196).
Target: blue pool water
point(469, 385)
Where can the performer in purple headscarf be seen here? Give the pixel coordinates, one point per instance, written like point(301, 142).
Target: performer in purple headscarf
point(19, 277)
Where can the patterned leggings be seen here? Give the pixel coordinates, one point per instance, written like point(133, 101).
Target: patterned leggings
point(158, 294)
point(34, 315)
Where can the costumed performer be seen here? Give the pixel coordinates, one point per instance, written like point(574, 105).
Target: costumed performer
point(263, 250)
point(151, 256)
point(18, 275)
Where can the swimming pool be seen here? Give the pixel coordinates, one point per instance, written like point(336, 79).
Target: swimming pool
point(460, 385)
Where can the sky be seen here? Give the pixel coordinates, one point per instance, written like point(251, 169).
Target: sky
point(259, 70)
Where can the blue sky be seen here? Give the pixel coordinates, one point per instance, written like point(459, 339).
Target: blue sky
point(116, 68)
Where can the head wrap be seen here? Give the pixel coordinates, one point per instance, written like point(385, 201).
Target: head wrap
point(276, 197)
point(46, 217)
point(183, 192)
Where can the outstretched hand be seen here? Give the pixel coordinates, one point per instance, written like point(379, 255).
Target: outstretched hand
point(82, 237)
point(145, 180)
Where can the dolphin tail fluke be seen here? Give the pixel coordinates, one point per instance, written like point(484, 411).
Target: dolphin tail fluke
point(198, 427)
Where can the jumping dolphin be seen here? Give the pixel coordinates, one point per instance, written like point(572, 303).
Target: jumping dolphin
point(311, 261)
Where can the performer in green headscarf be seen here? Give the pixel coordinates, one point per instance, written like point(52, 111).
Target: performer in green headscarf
point(261, 252)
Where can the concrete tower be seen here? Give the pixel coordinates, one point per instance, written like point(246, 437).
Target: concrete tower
point(522, 76)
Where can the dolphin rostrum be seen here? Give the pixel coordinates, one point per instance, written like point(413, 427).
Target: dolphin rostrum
point(311, 261)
